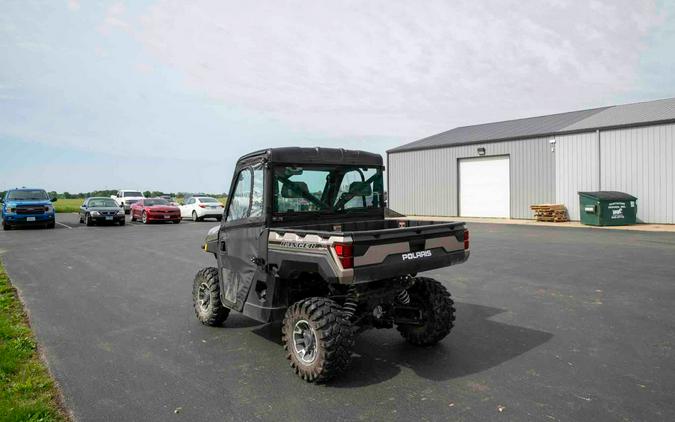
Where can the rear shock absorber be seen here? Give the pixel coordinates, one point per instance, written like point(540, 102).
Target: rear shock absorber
point(350, 305)
point(403, 297)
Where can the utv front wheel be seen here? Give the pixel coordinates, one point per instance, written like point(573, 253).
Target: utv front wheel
point(206, 298)
point(437, 311)
point(317, 338)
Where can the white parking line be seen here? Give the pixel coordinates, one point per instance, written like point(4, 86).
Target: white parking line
point(64, 225)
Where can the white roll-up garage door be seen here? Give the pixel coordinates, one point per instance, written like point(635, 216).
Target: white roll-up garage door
point(484, 187)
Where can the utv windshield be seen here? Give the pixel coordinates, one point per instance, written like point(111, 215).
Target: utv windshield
point(334, 189)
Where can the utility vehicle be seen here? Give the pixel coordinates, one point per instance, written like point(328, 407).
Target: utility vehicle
point(304, 240)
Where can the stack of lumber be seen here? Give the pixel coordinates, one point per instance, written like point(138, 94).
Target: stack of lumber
point(550, 212)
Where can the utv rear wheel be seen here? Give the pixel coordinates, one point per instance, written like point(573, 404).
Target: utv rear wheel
point(317, 338)
point(438, 313)
point(206, 298)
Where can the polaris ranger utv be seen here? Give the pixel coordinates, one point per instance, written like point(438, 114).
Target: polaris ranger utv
point(304, 240)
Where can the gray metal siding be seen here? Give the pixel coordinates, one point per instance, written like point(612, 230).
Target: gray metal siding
point(640, 161)
point(576, 160)
point(425, 182)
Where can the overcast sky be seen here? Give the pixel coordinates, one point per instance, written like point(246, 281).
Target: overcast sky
point(166, 95)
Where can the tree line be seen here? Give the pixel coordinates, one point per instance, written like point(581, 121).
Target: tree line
point(108, 193)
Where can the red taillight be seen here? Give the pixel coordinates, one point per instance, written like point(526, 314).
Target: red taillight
point(346, 254)
point(202, 206)
point(466, 239)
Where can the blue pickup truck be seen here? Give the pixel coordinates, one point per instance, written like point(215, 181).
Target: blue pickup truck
point(21, 207)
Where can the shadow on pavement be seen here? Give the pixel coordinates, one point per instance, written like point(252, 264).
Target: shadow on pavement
point(237, 320)
point(271, 332)
point(475, 345)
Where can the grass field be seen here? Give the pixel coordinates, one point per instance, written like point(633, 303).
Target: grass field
point(68, 205)
point(27, 392)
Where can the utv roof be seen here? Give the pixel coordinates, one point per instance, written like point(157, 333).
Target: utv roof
point(297, 155)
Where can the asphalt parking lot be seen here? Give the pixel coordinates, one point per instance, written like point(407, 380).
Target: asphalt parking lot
point(552, 324)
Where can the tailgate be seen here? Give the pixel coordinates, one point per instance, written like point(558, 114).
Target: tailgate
point(420, 246)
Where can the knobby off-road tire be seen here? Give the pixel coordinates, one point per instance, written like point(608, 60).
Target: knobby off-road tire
point(438, 311)
point(206, 298)
point(321, 321)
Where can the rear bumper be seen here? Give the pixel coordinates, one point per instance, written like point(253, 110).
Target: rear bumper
point(395, 266)
point(210, 213)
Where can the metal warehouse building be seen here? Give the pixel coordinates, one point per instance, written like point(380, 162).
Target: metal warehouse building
point(500, 169)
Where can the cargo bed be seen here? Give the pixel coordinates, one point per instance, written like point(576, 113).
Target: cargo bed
point(384, 249)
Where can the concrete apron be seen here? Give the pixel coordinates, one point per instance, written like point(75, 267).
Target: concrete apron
point(570, 224)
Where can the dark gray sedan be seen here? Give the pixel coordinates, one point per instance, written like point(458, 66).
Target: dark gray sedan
point(101, 210)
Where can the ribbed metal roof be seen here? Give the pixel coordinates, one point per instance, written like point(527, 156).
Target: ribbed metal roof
point(628, 114)
point(597, 118)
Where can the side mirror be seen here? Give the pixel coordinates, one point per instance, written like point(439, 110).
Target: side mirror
point(54, 199)
point(360, 189)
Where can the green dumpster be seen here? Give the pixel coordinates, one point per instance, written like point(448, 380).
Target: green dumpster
point(607, 208)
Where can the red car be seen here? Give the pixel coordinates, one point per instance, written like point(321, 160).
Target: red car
point(154, 209)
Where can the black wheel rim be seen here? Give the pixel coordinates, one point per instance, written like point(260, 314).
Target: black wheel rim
point(304, 342)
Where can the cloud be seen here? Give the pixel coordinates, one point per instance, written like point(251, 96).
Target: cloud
point(207, 81)
point(401, 69)
point(114, 18)
point(73, 5)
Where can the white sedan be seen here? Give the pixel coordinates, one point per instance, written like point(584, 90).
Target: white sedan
point(200, 207)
